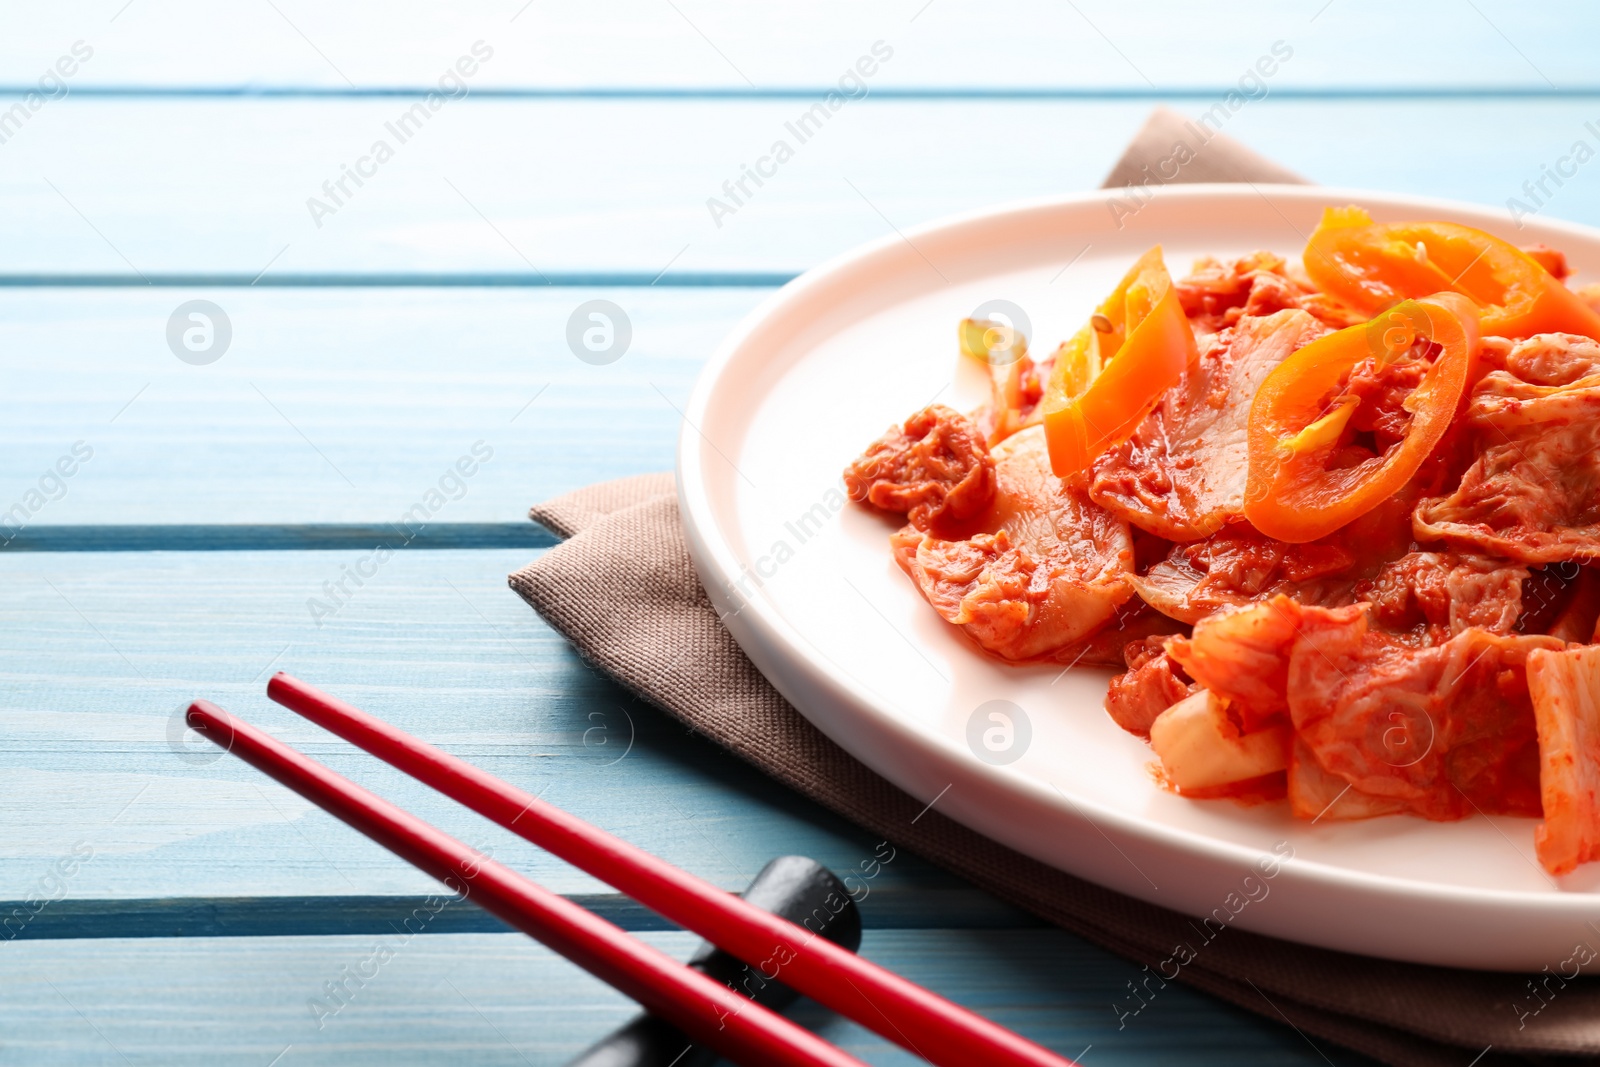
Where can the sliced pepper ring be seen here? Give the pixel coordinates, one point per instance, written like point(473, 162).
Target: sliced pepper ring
point(1111, 373)
point(1294, 491)
point(1372, 266)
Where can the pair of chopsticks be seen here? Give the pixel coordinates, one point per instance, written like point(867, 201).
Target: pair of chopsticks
point(711, 1013)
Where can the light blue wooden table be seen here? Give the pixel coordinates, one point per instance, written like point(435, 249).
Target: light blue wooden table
point(186, 910)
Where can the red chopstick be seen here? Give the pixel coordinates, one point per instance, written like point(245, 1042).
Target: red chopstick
point(934, 1028)
point(705, 1009)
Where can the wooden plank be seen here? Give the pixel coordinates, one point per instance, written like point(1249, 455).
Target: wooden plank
point(99, 653)
point(336, 406)
point(244, 537)
point(98, 186)
point(1092, 43)
point(501, 999)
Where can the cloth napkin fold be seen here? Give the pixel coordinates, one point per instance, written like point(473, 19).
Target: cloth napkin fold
point(623, 590)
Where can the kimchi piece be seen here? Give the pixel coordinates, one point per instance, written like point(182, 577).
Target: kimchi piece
point(1181, 473)
point(1441, 731)
point(1038, 568)
point(1566, 702)
point(1440, 594)
point(1238, 566)
point(1152, 683)
point(1205, 751)
point(1243, 656)
point(1218, 293)
point(935, 467)
point(1533, 492)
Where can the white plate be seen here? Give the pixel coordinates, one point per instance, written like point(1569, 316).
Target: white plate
point(810, 592)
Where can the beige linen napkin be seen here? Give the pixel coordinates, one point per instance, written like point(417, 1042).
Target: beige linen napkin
point(623, 590)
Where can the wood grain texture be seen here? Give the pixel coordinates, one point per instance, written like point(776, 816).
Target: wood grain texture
point(501, 999)
point(137, 187)
point(245, 537)
point(338, 406)
point(1090, 43)
point(100, 652)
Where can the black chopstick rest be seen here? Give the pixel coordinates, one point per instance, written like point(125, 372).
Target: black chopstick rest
point(793, 887)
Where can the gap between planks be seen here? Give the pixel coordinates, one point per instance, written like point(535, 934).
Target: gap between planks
point(883, 909)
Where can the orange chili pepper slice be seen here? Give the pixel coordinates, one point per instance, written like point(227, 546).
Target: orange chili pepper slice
point(1372, 266)
point(1110, 374)
point(1301, 483)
